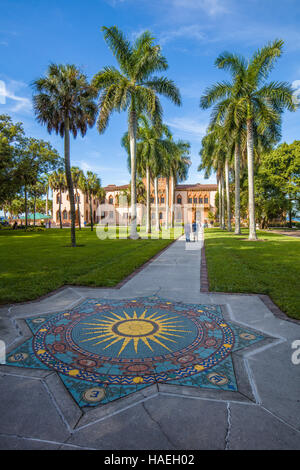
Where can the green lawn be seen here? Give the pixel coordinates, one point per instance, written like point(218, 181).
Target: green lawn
point(34, 263)
point(269, 267)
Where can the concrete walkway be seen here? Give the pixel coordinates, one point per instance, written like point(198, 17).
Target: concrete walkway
point(38, 413)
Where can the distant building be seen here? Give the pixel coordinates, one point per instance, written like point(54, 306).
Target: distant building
point(192, 201)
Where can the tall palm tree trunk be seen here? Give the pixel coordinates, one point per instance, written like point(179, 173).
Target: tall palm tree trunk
point(47, 196)
point(69, 180)
point(132, 140)
point(237, 169)
point(60, 219)
point(167, 202)
point(148, 208)
point(223, 202)
point(172, 199)
point(156, 203)
point(220, 202)
point(78, 209)
point(91, 215)
point(251, 200)
point(228, 195)
point(25, 197)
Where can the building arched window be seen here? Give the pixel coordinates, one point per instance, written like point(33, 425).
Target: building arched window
point(162, 200)
point(179, 200)
point(57, 198)
point(110, 200)
point(65, 215)
point(205, 200)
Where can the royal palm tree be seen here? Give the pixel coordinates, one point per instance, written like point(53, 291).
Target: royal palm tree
point(179, 166)
point(153, 144)
point(57, 182)
point(90, 185)
point(77, 173)
point(64, 102)
point(134, 88)
point(260, 104)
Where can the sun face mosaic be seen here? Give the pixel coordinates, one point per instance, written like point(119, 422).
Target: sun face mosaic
point(107, 349)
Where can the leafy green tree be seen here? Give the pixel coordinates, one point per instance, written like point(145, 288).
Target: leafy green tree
point(282, 167)
point(64, 102)
point(134, 88)
point(11, 136)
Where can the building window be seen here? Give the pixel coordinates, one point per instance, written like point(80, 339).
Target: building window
point(195, 200)
point(205, 200)
point(190, 200)
point(179, 200)
point(152, 200)
point(111, 200)
point(162, 200)
point(200, 200)
point(160, 216)
point(65, 215)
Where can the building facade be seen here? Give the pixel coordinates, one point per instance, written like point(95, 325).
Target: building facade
point(191, 202)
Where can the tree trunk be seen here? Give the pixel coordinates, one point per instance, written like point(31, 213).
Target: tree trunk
point(251, 197)
point(78, 210)
point(60, 219)
point(228, 195)
point(223, 202)
point(47, 196)
point(167, 202)
point(172, 199)
point(25, 197)
point(156, 204)
point(91, 210)
point(220, 202)
point(148, 209)
point(69, 180)
point(290, 211)
point(132, 139)
point(34, 210)
point(237, 158)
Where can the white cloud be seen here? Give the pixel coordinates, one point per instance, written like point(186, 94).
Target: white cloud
point(11, 97)
point(211, 7)
point(189, 127)
point(188, 32)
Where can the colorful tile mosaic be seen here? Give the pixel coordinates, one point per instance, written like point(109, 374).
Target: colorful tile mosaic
point(107, 349)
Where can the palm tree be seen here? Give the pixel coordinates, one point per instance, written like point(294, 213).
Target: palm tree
point(179, 165)
point(133, 88)
point(64, 102)
point(57, 182)
point(152, 147)
point(259, 104)
point(77, 173)
point(90, 185)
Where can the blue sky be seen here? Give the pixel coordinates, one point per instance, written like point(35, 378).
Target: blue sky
point(192, 33)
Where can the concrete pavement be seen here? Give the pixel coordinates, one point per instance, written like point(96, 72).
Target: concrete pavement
point(37, 412)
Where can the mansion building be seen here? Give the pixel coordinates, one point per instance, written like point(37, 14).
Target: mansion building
point(191, 201)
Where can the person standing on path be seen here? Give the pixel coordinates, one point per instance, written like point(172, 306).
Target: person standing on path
point(187, 231)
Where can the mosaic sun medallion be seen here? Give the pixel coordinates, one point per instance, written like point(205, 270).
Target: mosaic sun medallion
point(107, 349)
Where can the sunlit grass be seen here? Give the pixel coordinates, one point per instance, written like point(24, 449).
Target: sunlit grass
point(34, 264)
point(271, 266)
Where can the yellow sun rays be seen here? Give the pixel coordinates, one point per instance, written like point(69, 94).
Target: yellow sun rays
point(114, 328)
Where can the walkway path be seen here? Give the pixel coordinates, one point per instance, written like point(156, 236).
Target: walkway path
point(259, 410)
